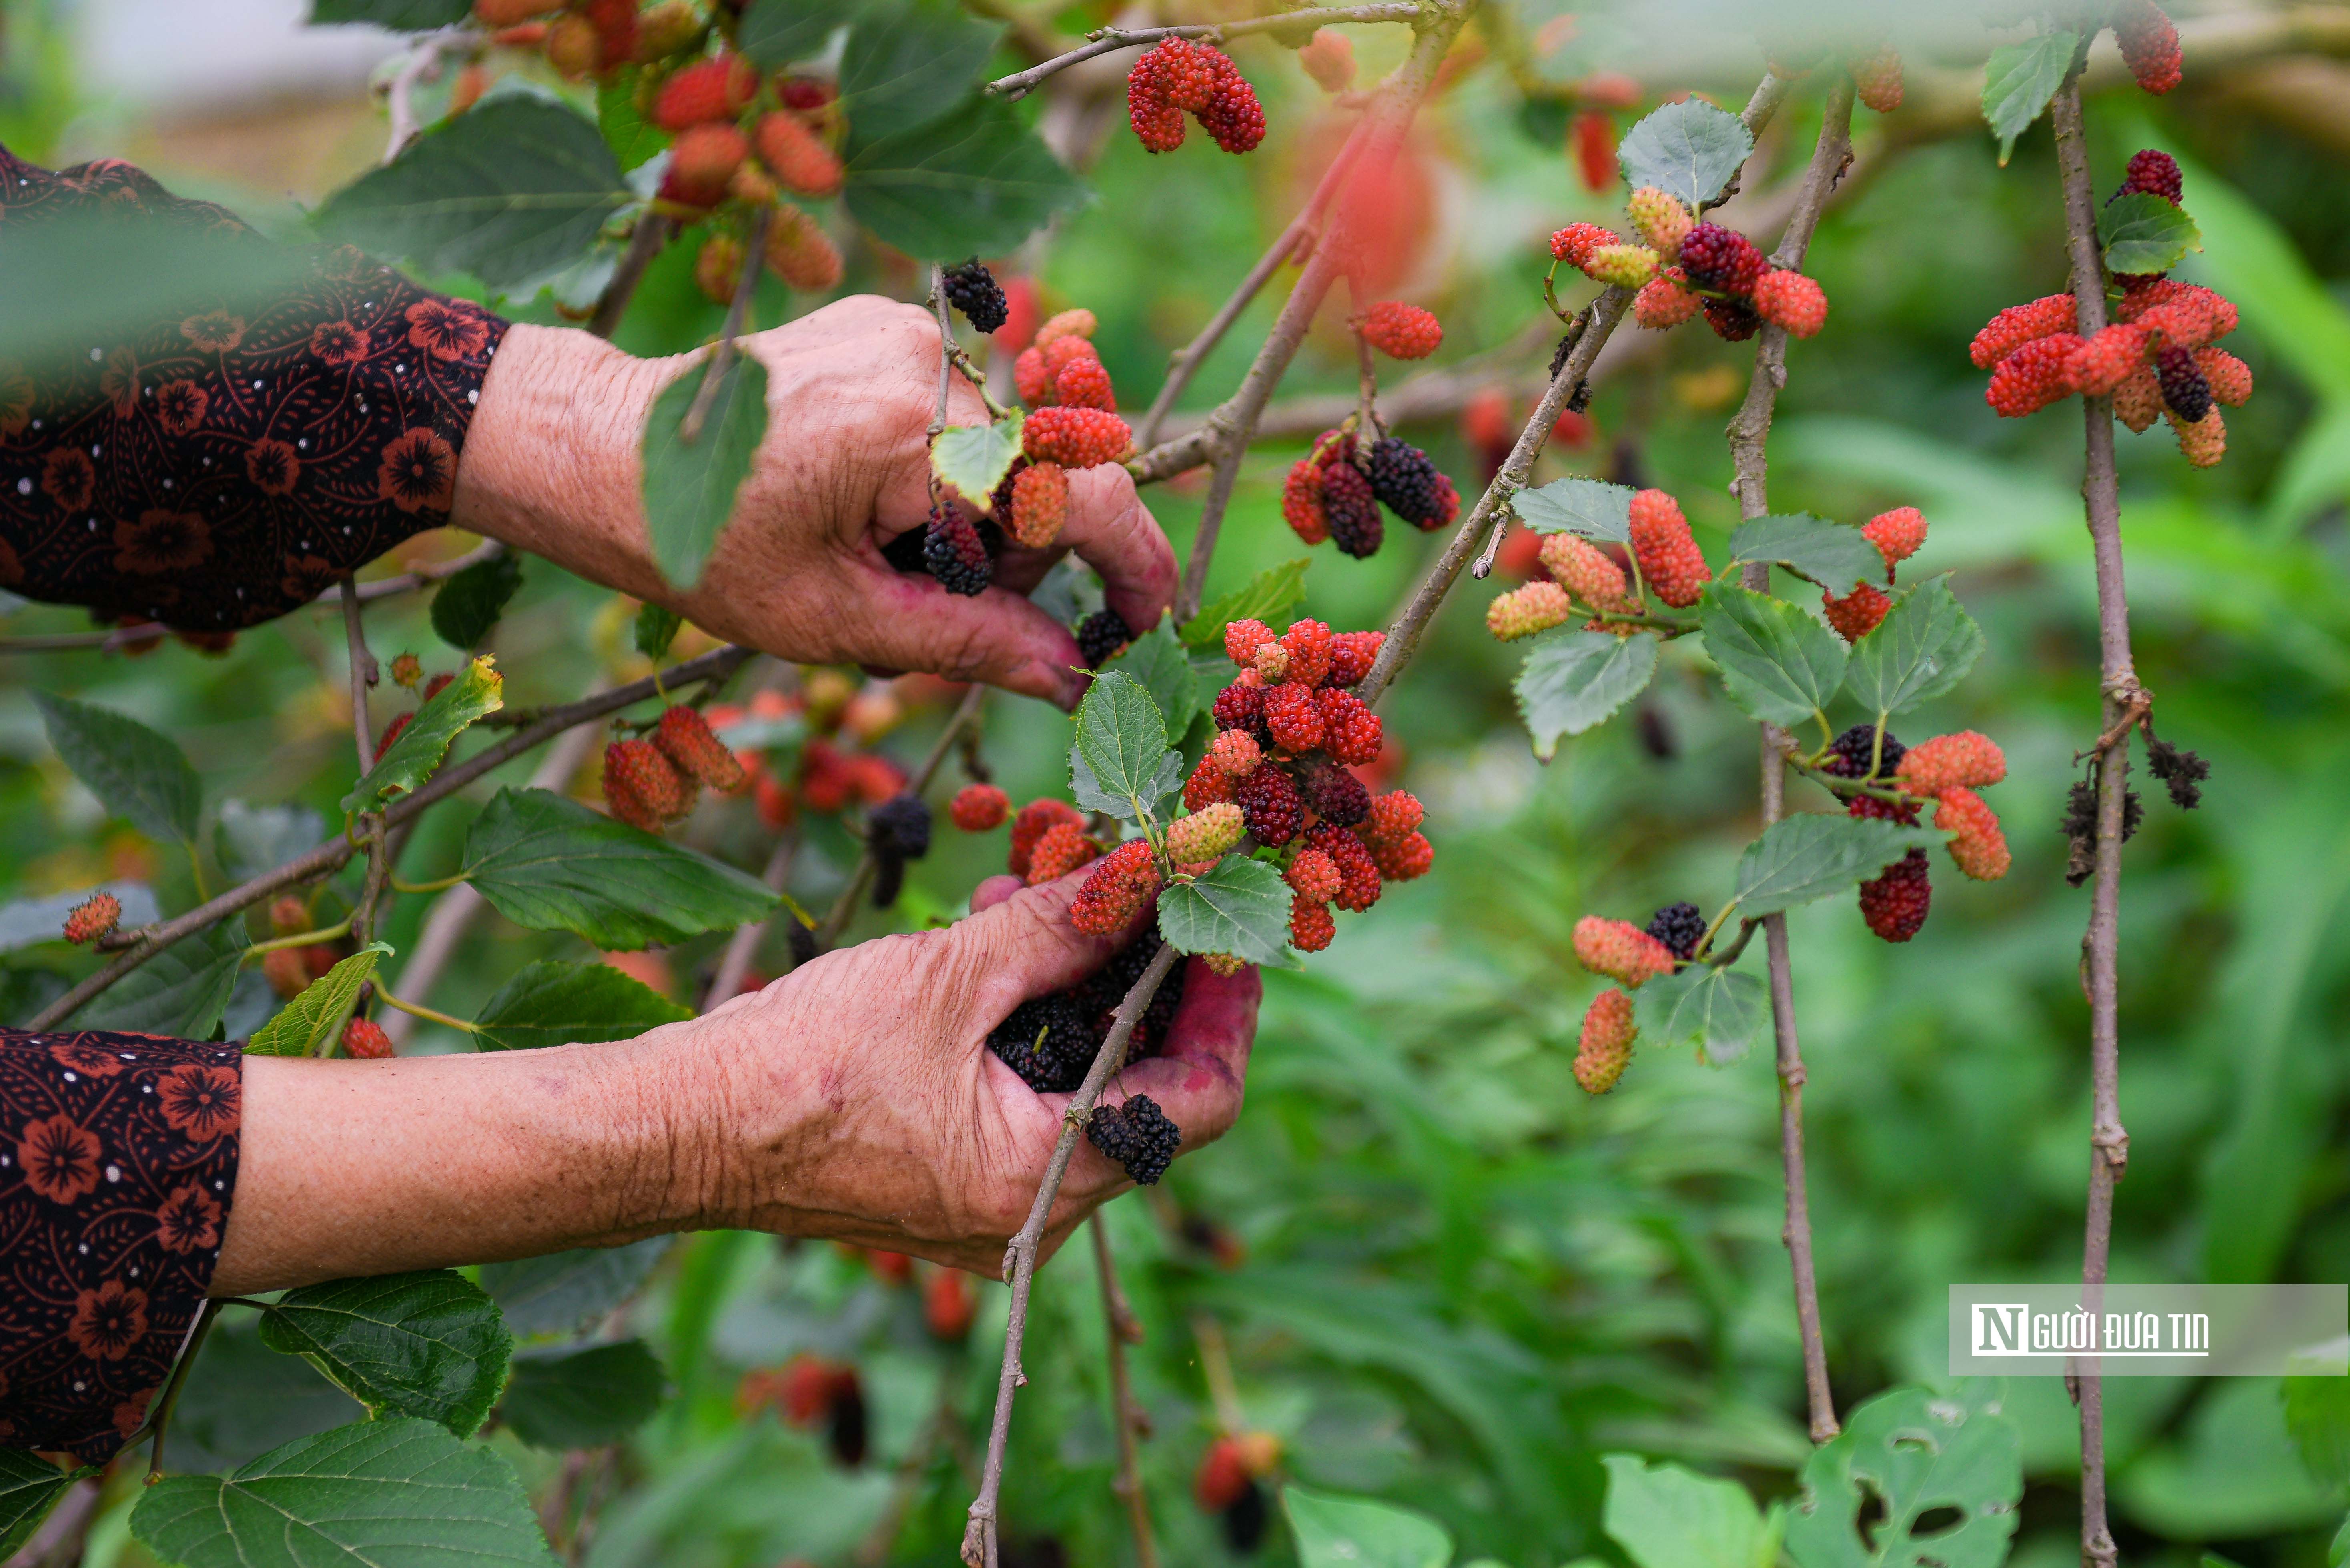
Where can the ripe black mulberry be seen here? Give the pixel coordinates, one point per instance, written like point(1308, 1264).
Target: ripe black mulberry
point(1137, 1136)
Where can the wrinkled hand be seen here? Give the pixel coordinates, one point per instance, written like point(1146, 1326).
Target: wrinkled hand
point(551, 465)
point(863, 1103)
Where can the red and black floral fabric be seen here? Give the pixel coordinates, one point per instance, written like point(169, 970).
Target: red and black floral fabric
point(225, 465)
point(118, 1161)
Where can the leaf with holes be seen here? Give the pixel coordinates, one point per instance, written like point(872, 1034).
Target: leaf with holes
point(1574, 681)
point(29, 1488)
point(1832, 554)
point(314, 1018)
point(2142, 232)
point(582, 1398)
point(1590, 507)
point(1924, 646)
point(907, 63)
point(1719, 1010)
point(973, 459)
point(2019, 81)
point(394, 1492)
point(514, 188)
point(181, 991)
point(1357, 1532)
point(551, 1003)
point(1813, 854)
point(465, 608)
point(689, 486)
point(428, 1345)
point(1688, 149)
point(549, 863)
point(1268, 596)
point(1241, 907)
point(416, 753)
point(1912, 1459)
point(136, 773)
point(976, 182)
point(1778, 663)
point(1666, 1517)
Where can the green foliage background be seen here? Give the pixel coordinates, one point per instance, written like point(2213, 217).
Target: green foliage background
point(1465, 1282)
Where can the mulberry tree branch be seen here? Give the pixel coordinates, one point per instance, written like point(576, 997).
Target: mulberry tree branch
point(1109, 40)
point(2108, 1141)
point(979, 1539)
point(1750, 432)
point(335, 854)
point(1120, 1330)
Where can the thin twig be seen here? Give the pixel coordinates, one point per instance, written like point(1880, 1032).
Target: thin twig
point(1109, 40)
point(1600, 318)
point(369, 825)
point(738, 316)
point(735, 963)
point(979, 1539)
point(1120, 1329)
point(946, 348)
point(422, 66)
point(1749, 434)
point(168, 1400)
point(335, 853)
point(836, 920)
point(2108, 1140)
point(1300, 233)
point(1228, 432)
point(652, 231)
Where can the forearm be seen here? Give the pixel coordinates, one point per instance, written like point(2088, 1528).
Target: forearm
point(369, 1168)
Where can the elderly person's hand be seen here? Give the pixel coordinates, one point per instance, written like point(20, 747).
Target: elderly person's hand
point(855, 1098)
point(552, 466)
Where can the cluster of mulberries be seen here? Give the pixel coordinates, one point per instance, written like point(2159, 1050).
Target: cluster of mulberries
point(1946, 771)
point(2157, 359)
point(1180, 77)
point(1631, 956)
point(1577, 572)
point(972, 289)
point(1683, 266)
point(1290, 731)
point(811, 1391)
point(1336, 490)
point(585, 38)
point(655, 778)
point(1896, 534)
point(1051, 1040)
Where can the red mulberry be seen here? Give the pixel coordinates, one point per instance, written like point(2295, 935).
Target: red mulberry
point(1309, 644)
point(1157, 123)
point(2035, 375)
point(1036, 819)
point(1401, 331)
point(1123, 882)
point(1403, 859)
point(1233, 118)
point(1719, 259)
point(1301, 502)
point(1351, 733)
point(2153, 173)
point(1083, 383)
point(1732, 320)
point(2203, 442)
point(2137, 402)
point(1040, 504)
point(1075, 438)
point(1857, 614)
point(1604, 1047)
point(1669, 560)
point(1352, 654)
point(1877, 80)
point(1311, 927)
point(1620, 950)
point(1336, 796)
point(364, 1040)
point(1244, 637)
point(1205, 834)
point(92, 919)
point(1234, 753)
point(978, 807)
point(1394, 816)
point(1061, 849)
point(2149, 45)
point(1523, 612)
point(2019, 323)
point(1358, 874)
point(1209, 784)
point(1979, 847)
point(1241, 706)
point(1291, 713)
point(2230, 378)
point(685, 738)
point(1577, 240)
point(1896, 534)
point(1665, 301)
point(1962, 761)
point(2106, 360)
point(1583, 570)
point(1315, 875)
point(1791, 300)
point(1661, 219)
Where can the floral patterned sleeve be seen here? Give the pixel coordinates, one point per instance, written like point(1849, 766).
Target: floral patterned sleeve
point(118, 1159)
point(225, 465)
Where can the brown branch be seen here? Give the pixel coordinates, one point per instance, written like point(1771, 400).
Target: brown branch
point(1109, 40)
point(422, 65)
point(1749, 432)
point(836, 920)
point(1228, 432)
point(738, 316)
point(652, 231)
point(1300, 233)
point(735, 963)
point(335, 853)
point(979, 1539)
point(946, 354)
point(2109, 1142)
point(1120, 1329)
